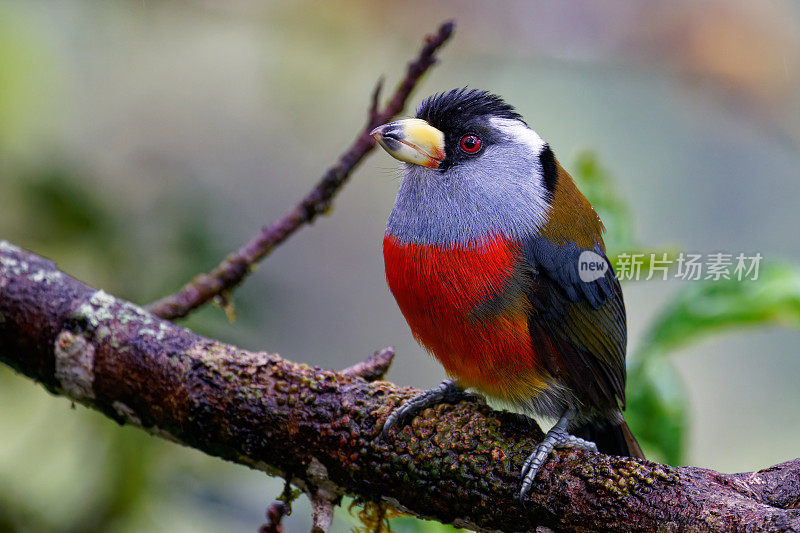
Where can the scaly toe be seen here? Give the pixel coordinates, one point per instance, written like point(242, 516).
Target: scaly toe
point(447, 391)
point(557, 437)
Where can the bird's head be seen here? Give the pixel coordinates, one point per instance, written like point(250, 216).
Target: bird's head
point(472, 168)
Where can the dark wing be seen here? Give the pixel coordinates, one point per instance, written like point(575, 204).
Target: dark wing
point(578, 327)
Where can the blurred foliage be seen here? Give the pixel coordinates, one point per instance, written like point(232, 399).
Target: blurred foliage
point(91, 475)
point(596, 184)
point(657, 409)
point(69, 214)
point(372, 517)
point(705, 308)
point(657, 401)
point(22, 78)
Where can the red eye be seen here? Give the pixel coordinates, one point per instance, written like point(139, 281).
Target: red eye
point(470, 144)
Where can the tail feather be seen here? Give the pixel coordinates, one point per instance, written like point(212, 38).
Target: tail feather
point(613, 437)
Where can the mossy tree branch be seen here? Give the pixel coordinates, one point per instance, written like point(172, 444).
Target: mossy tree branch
point(456, 464)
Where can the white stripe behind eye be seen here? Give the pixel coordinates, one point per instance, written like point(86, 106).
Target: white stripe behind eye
point(520, 132)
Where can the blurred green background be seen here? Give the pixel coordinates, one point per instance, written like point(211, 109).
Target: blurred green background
point(140, 141)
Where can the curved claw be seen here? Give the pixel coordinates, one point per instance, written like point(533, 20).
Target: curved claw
point(557, 437)
point(447, 391)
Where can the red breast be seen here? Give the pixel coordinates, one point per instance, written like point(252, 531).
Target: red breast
point(439, 288)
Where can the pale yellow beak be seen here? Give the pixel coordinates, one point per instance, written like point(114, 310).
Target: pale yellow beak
point(412, 140)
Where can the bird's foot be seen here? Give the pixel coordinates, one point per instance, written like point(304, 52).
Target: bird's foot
point(557, 437)
point(446, 392)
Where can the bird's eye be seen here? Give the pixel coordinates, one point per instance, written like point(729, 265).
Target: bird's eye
point(470, 144)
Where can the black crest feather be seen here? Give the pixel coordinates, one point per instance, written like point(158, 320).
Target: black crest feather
point(463, 104)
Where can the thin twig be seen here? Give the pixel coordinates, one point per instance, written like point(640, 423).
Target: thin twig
point(239, 264)
point(374, 368)
point(376, 100)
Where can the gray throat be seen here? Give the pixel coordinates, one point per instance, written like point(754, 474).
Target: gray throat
point(468, 203)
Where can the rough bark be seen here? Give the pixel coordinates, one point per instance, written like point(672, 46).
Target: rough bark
point(456, 463)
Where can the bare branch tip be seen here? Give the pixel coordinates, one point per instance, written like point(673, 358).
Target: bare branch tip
point(446, 28)
point(374, 367)
point(374, 108)
point(376, 93)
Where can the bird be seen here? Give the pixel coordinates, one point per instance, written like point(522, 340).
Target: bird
point(497, 262)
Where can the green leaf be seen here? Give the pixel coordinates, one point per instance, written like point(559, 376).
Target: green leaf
point(657, 410)
point(596, 184)
point(703, 308)
point(66, 208)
